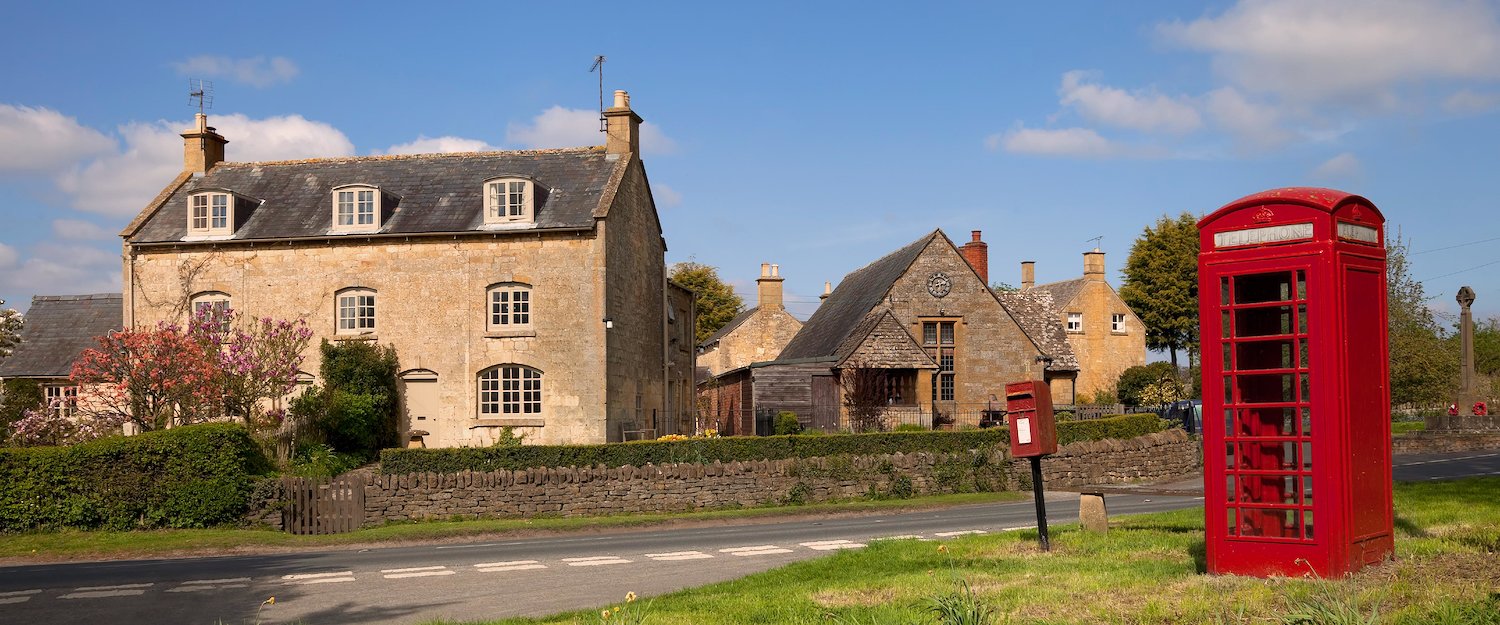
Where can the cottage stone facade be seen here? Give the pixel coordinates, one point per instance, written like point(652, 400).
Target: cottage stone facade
point(1105, 334)
point(561, 311)
point(754, 335)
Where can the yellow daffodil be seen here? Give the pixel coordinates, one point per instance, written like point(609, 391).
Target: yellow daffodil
point(629, 597)
point(271, 601)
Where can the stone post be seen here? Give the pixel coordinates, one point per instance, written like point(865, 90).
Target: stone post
point(1466, 390)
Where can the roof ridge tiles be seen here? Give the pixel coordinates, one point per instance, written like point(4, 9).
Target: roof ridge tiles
point(71, 298)
point(397, 157)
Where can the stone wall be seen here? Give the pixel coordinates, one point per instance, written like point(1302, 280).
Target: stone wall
point(587, 491)
point(1444, 442)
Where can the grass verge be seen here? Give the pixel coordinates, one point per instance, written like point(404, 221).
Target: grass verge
point(1145, 570)
point(1407, 427)
point(96, 545)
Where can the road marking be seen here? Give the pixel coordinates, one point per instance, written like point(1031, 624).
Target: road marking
point(596, 561)
point(318, 578)
point(99, 592)
point(17, 596)
point(829, 545)
point(418, 571)
point(678, 555)
point(512, 565)
point(958, 533)
point(1018, 528)
point(758, 550)
point(198, 585)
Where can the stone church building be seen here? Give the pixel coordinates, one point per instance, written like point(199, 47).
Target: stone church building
point(522, 289)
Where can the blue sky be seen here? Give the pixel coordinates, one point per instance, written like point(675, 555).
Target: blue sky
point(819, 136)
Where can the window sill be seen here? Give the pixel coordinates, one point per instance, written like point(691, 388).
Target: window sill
point(1075, 331)
point(1119, 332)
point(508, 422)
point(510, 334)
point(355, 337)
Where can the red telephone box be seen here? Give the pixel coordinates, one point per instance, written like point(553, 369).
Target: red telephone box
point(1297, 430)
point(1028, 406)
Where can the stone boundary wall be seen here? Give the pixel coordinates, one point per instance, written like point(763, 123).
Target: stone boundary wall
point(588, 491)
point(1443, 442)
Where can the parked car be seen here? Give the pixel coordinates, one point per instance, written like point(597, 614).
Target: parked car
point(1188, 412)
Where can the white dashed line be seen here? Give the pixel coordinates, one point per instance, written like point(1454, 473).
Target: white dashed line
point(830, 545)
point(99, 592)
point(678, 555)
point(17, 596)
point(959, 533)
point(901, 537)
point(596, 561)
point(318, 578)
point(198, 585)
point(758, 550)
point(419, 571)
point(513, 565)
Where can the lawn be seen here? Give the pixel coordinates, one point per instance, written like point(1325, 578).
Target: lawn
point(95, 545)
point(1406, 427)
point(1145, 570)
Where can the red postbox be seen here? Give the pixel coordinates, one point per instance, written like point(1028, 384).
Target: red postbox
point(1028, 406)
point(1297, 431)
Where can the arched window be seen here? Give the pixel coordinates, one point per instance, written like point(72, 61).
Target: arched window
point(210, 299)
point(508, 390)
point(508, 306)
point(354, 309)
point(508, 200)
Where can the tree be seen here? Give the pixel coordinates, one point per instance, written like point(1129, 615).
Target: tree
point(256, 360)
point(1161, 284)
point(1424, 369)
point(10, 329)
point(716, 303)
point(19, 396)
point(864, 397)
point(355, 411)
point(1131, 388)
point(153, 378)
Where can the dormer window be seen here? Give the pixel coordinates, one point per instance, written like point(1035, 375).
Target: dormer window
point(209, 214)
point(356, 208)
point(508, 200)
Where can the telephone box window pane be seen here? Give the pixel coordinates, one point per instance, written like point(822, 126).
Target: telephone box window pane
point(1264, 355)
point(1229, 456)
point(1268, 422)
point(1301, 318)
point(1306, 456)
point(1270, 321)
point(1271, 456)
point(1229, 488)
point(1228, 390)
point(1302, 353)
point(1228, 422)
point(1290, 489)
point(1306, 422)
point(1301, 284)
point(1223, 291)
point(1288, 422)
point(1306, 388)
point(1307, 524)
point(1230, 515)
point(1228, 362)
point(1225, 324)
point(1265, 388)
point(1307, 499)
point(1267, 522)
point(1263, 287)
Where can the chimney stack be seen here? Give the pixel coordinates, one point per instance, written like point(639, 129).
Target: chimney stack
point(1028, 274)
point(769, 286)
point(202, 147)
point(978, 254)
point(624, 126)
point(827, 290)
point(1093, 265)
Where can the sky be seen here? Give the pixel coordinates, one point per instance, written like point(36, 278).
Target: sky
point(816, 135)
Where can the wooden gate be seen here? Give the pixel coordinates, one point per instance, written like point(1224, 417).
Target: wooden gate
point(323, 506)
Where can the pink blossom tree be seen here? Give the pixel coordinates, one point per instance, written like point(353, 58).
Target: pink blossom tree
point(152, 378)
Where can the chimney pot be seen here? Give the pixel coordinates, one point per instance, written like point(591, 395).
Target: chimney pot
point(827, 290)
point(975, 234)
point(622, 126)
point(768, 287)
point(622, 99)
point(977, 254)
point(1028, 274)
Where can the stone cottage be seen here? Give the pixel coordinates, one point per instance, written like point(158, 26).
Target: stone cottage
point(754, 335)
point(58, 329)
point(520, 289)
point(1105, 334)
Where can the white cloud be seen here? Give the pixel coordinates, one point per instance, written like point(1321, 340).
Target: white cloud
point(41, 140)
point(1254, 125)
point(256, 71)
point(1060, 142)
point(559, 127)
point(1145, 111)
point(1345, 165)
point(665, 196)
point(80, 230)
point(61, 269)
point(8, 256)
point(1466, 102)
point(121, 184)
point(434, 145)
point(1349, 50)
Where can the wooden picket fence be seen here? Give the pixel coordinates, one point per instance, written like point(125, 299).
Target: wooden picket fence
point(323, 506)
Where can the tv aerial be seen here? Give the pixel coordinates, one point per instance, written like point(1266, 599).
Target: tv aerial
point(598, 66)
point(200, 94)
point(1096, 240)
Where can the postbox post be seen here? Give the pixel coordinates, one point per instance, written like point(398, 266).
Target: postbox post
point(1033, 434)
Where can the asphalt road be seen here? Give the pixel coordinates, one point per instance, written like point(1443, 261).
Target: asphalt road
point(532, 576)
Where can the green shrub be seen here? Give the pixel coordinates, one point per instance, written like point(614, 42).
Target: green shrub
point(740, 448)
point(319, 460)
point(18, 396)
point(786, 423)
point(911, 427)
point(355, 411)
point(193, 476)
point(1136, 379)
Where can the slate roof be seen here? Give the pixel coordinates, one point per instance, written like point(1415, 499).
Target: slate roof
point(425, 193)
point(58, 328)
point(729, 327)
point(1035, 311)
point(1062, 292)
point(856, 295)
point(866, 326)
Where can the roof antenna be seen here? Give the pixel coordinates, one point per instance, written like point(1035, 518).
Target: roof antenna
point(200, 94)
point(1097, 240)
point(599, 66)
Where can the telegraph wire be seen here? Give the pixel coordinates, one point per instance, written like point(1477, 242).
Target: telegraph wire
point(1493, 262)
point(1451, 247)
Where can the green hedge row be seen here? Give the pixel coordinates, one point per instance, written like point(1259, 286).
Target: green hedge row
point(741, 448)
point(194, 476)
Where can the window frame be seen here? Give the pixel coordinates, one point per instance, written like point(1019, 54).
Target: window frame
point(61, 399)
point(1118, 323)
point(358, 317)
point(940, 340)
point(212, 202)
point(356, 202)
point(508, 390)
point(1075, 323)
point(512, 209)
point(519, 307)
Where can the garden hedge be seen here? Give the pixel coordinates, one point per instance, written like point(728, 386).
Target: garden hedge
point(741, 448)
point(193, 476)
